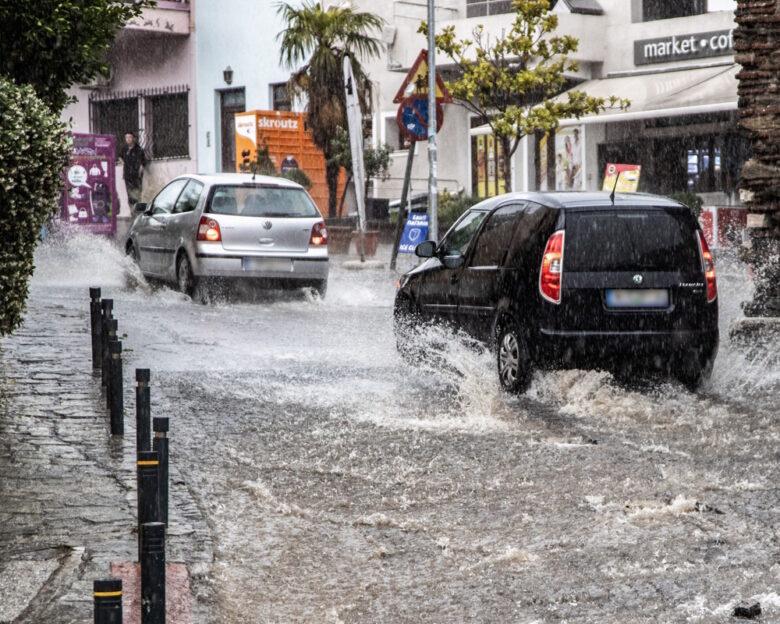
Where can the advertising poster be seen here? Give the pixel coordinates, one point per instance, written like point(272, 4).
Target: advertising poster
point(543, 163)
point(481, 188)
point(628, 182)
point(415, 232)
point(89, 200)
point(568, 159)
point(500, 170)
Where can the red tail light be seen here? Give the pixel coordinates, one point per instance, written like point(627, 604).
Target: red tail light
point(319, 234)
point(709, 269)
point(552, 268)
point(208, 230)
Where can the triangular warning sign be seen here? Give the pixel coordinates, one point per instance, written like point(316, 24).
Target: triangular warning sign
point(418, 78)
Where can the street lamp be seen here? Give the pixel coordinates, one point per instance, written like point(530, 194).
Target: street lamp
point(227, 75)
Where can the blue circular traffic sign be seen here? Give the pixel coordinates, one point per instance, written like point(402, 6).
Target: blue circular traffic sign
point(412, 117)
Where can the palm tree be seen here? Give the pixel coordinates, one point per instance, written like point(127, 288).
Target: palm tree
point(320, 40)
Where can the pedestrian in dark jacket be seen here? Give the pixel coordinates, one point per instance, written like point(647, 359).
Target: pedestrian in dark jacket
point(134, 159)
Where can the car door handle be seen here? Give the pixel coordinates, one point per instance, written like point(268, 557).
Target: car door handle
point(266, 241)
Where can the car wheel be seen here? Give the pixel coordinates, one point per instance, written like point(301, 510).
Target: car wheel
point(406, 320)
point(514, 361)
point(132, 252)
point(321, 288)
point(184, 277)
point(690, 371)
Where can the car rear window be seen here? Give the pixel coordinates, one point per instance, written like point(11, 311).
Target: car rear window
point(648, 239)
point(261, 201)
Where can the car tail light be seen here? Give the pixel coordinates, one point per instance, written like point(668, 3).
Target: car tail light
point(552, 268)
point(709, 268)
point(319, 234)
point(208, 230)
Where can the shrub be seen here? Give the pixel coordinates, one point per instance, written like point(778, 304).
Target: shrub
point(692, 200)
point(299, 176)
point(450, 207)
point(33, 154)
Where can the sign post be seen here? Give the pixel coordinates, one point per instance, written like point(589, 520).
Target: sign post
point(355, 122)
point(432, 150)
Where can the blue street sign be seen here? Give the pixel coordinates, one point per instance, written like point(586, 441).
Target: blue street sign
point(412, 117)
point(415, 232)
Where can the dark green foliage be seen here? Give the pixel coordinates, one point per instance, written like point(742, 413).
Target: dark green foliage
point(33, 154)
point(299, 176)
point(450, 207)
point(263, 164)
point(55, 44)
point(692, 200)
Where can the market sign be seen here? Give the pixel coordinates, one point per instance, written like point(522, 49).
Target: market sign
point(684, 47)
point(621, 178)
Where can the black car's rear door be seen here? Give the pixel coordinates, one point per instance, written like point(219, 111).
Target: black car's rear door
point(483, 279)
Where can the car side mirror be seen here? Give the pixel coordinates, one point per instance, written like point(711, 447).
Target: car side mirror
point(454, 261)
point(426, 249)
point(139, 207)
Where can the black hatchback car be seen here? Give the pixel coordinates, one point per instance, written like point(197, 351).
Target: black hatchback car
point(560, 280)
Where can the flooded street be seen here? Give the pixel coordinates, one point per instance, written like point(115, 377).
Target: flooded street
point(341, 484)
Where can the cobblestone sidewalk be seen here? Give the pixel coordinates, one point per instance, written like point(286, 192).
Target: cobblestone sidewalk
point(67, 489)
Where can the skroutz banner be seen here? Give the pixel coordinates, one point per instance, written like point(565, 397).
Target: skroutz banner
point(289, 145)
point(89, 200)
point(628, 180)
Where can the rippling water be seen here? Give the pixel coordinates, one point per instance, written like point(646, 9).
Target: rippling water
point(343, 485)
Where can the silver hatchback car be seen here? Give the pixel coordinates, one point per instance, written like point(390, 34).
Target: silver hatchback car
point(231, 226)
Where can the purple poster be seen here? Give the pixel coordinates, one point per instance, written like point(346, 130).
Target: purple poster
point(89, 200)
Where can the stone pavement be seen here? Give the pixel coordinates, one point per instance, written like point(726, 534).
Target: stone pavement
point(67, 489)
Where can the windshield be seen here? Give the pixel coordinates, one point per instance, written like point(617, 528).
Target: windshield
point(261, 201)
point(652, 239)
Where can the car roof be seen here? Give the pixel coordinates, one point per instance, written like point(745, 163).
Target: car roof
point(241, 178)
point(581, 199)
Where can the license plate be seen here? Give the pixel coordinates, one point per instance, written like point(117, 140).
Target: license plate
point(638, 298)
point(275, 265)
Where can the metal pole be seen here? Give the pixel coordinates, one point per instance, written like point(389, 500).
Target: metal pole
point(116, 389)
point(152, 573)
point(94, 317)
point(402, 214)
point(107, 597)
point(148, 483)
point(160, 443)
point(433, 233)
point(142, 410)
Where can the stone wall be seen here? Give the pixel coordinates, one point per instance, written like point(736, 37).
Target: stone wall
point(757, 47)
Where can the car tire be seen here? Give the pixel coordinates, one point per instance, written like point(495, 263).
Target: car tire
point(406, 320)
point(184, 277)
point(513, 359)
point(690, 371)
point(131, 251)
point(321, 288)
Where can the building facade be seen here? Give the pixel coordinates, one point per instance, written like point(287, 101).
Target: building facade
point(672, 60)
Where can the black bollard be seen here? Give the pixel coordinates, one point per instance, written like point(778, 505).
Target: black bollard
point(109, 337)
point(106, 313)
point(94, 318)
point(107, 595)
point(143, 410)
point(153, 573)
point(116, 390)
point(148, 480)
point(161, 424)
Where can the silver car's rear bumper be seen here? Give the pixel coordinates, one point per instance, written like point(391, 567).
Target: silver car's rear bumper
point(211, 262)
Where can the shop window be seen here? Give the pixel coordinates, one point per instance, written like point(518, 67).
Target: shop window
point(169, 125)
point(664, 9)
point(158, 117)
point(480, 8)
point(281, 97)
point(115, 117)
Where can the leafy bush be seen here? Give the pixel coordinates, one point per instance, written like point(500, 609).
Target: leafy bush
point(692, 200)
point(299, 176)
point(450, 207)
point(33, 154)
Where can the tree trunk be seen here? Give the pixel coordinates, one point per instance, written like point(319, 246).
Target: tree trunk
point(344, 194)
point(332, 177)
point(759, 119)
point(506, 148)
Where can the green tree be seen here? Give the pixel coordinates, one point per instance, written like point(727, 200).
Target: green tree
point(33, 154)
point(376, 161)
point(55, 44)
point(313, 46)
point(510, 81)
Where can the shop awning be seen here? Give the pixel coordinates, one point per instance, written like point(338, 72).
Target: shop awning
point(663, 94)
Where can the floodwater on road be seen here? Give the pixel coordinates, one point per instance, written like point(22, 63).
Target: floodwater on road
point(341, 484)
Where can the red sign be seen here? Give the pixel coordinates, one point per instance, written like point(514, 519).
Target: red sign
point(412, 117)
point(418, 78)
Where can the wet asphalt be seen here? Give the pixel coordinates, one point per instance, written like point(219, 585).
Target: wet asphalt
point(320, 478)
